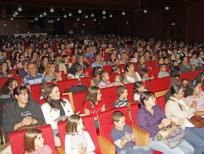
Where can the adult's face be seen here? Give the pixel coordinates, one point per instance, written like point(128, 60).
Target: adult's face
point(32, 69)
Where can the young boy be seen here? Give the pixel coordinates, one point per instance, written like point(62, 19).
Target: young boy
point(122, 93)
point(104, 80)
point(124, 138)
point(162, 73)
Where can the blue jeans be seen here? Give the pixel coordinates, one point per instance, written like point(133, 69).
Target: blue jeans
point(136, 150)
point(183, 148)
point(195, 136)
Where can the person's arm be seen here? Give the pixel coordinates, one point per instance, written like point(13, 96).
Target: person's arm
point(87, 111)
point(38, 116)
point(175, 112)
point(151, 126)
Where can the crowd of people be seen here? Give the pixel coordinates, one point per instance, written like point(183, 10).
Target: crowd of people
point(48, 59)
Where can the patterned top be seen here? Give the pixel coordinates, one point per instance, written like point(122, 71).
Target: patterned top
point(121, 103)
point(37, 79)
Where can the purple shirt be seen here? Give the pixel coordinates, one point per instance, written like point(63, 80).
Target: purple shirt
point(148, 121)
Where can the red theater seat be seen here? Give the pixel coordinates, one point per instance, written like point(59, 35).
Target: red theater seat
point(16, 139)
point(66, 84)
point(190, 75)
point(36, 93)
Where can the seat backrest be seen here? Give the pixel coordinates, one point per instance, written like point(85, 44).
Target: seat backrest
point(158, 84)
point(78, 100)
point(89, 126)
point(106, 124)
point(16, 139)
point(108, 68)
point(190, 75)
point(133, 110)
point(161, 102)
point(130, 88)
point(36, 93)
point(86, 81)
point(109, 96)
point(66, 84)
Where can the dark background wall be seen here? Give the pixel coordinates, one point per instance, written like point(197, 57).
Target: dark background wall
point(157, 23)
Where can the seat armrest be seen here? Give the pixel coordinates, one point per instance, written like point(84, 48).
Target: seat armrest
point(106, 146)
point(60, 150)
point(141, 136)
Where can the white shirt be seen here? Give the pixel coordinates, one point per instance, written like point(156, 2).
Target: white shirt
point(51, 114)
point(72, 142)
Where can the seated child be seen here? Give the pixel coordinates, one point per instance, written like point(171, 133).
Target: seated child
point(124, 138)
point(34, 143)
point(162, 73)
point(122, 100)
point(104, 80)
point(145, 75)
point(118, 80)
point(77, 140)
point(138, 89)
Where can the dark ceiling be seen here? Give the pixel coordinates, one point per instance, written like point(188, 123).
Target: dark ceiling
point(33, 8)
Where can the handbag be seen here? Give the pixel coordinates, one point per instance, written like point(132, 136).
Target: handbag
point(171, 135)
point(198, 121)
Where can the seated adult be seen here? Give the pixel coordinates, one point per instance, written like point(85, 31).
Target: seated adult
point(23, 112)
point(130, 75)
point(185, 66)
point(33, 76)
point(177, 110)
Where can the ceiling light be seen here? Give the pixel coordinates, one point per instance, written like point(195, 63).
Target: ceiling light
point(86, 16)
point(36, 19)
point(104, 17)
point(65, 16)
point(41, 15)
point(104, 12)
point(110, 15)
point(145, 11)
point(94, 20)
point(70, 14)
point(92, 15)
point(78, 19)
point(173, 24)
point(20, 9)
point(44, 13)
point(52, 10)
point(16, 13)
point(167, 8)
point(79, 11)
point(12, 18)
point(123, 13)
point(58, 19)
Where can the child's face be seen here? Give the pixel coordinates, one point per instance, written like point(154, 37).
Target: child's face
point(124, 94)
point(39, 141)
point(185, 83)
point(106, 77)
point(121, 123)
point(99, 95)
point(80, 126)
point(163, 68)
point(141, 89)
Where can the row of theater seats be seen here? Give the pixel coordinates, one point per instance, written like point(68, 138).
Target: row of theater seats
point(102, 141)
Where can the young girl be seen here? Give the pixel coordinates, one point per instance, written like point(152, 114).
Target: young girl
point(34, 143)
point(77, 140)
point(104, 80)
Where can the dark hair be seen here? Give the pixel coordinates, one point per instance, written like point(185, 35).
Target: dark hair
point(116, 115)
point(97, 70)
point(190, 88)
point(144, 97)
point(143, 72)
point(137, 85)
point(19, 90)
point(175, 89)
point(92, 95)
point(121, 89)
point(46, 91)
point(5, 88)
point(72, 123)
point(127, 66)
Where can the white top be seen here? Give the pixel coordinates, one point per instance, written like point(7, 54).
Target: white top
point(179, 112)
point(72, 142)
point(51, 115)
